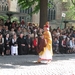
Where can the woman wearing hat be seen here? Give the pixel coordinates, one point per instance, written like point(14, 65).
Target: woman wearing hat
point(46, 53)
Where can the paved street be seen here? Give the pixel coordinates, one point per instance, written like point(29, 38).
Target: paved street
point(62, 64)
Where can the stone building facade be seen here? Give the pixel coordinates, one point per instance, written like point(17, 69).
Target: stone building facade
point(54, 13)
point(3, 5)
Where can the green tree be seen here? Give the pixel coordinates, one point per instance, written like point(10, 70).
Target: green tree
point(73, 2)
point(4, 17)
point(71, 10)
point(39, 4)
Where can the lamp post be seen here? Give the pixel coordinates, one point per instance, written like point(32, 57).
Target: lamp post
point(62, 16)
point(65, 22)
point(9, 15)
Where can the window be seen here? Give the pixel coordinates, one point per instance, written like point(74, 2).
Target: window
point(22, 10)
point(51, 11)
point(51, 14)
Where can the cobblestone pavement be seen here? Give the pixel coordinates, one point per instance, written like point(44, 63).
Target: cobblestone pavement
point(62, 64)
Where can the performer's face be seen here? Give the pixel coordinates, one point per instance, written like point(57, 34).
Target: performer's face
point(45, 29)
point(47, 23)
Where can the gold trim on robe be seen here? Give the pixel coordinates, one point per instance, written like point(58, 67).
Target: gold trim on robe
point(47, 36)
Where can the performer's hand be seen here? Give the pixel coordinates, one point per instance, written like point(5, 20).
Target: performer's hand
point(45, 41)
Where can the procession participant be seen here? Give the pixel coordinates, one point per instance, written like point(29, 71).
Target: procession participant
point(46, 53)
point(41, 43)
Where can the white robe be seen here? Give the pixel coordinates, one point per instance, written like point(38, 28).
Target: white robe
point(14, 49)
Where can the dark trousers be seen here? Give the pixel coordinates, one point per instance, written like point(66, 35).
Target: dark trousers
point(1, 49)
point(34, 50)
point(22, 50)
point(63, 50)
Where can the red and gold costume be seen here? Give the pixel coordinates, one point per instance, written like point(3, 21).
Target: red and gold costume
point(46, 53)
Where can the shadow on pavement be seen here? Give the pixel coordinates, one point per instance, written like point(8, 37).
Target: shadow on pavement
point(20, 64)
point(16, 62)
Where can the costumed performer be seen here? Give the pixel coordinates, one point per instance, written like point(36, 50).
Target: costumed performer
point(46, 52)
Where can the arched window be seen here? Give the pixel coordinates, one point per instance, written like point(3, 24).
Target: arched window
point(51, 14)
point(51, 11)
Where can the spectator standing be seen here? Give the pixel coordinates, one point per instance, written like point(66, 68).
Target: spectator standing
point(68, 45)
point(22, 45)
point(14, 45)
point(72, 44)
point(12, 32)
point(64, 46)
point(56, 45)
point(7, 44)
point(8, 23)
point(1, 45)
point(29, 44)
point(6, 31)
point(60, 43)
point(1, 31)
point(34, 45)
point(19, 31)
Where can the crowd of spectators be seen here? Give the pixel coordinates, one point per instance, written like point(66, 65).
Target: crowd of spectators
point(21, 39)
point(18, 39)
point(64, 40)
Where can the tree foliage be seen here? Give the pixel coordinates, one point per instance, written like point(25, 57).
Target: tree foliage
point(71, 10)
point(39, 4)
point(4, 17)
point(25, 4)
point(73, 2)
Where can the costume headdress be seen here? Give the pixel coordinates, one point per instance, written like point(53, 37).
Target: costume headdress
point(47, 25)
